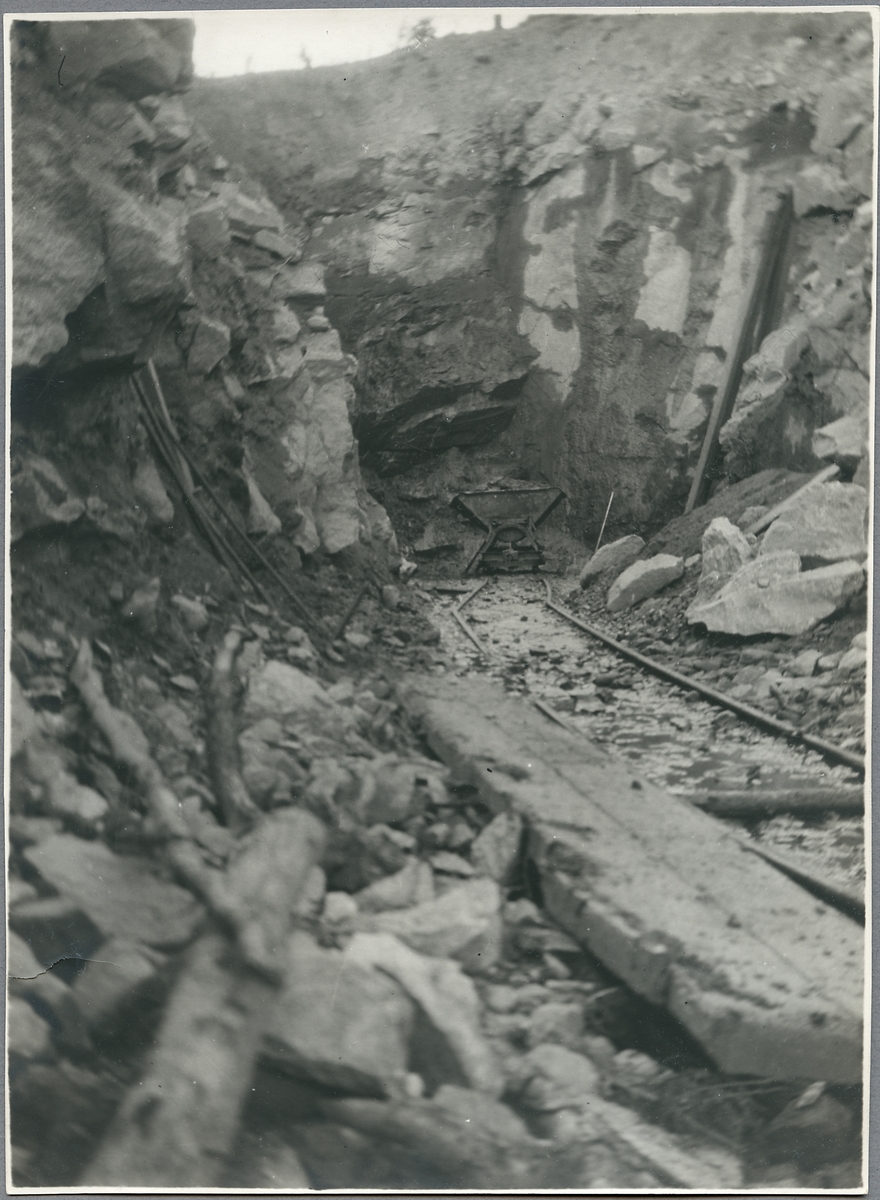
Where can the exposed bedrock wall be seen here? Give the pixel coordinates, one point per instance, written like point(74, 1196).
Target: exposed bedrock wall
point(540, 243)
point(133, 240)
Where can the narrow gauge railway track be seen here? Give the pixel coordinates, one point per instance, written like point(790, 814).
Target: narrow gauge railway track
point(702, 744)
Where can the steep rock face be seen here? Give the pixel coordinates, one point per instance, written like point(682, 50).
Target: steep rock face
point(542, 242)
point(133, 241)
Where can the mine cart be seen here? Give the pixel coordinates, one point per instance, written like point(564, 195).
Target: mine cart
point(509, 517)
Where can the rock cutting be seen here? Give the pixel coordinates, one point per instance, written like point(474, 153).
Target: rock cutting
point(440, 546)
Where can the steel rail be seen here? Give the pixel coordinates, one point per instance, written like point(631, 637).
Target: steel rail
point(784, 728)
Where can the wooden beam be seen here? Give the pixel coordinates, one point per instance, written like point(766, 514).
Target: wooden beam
point(823, 476)
point(757, 322)
point(767, 977)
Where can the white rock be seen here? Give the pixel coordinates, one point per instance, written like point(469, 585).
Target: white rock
point(860, 641)
point(447, 998)
point(724, 551)
point(338, 1022)
point(853, 660)
point(842, 441)
point(192, 613)
point(643, 579)
point(825, 522)
point(464, 924)
point(805, 663)
point(614, 557)
point(772, 595)
point(150, 490)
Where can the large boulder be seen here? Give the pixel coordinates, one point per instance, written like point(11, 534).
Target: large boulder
point(123, 897)
point(725, 550)
point(338, 1023)
point(825, 522)
point(772, 595)
point(643, 579)
point(612, 559)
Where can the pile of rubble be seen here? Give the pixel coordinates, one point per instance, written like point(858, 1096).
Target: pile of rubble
point(426, 1024)
point(784, 584)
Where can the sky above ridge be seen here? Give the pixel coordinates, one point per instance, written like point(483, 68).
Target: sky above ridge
point(235, 42)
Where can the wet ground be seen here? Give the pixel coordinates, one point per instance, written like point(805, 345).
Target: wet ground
point(678, 740)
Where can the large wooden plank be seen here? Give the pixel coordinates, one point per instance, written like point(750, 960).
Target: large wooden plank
point(766, 977)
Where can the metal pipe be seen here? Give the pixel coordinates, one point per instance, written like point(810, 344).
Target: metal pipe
point(828, 749)
point(604, 521)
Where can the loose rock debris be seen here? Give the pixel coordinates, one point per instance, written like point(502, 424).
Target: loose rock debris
point(295, 901)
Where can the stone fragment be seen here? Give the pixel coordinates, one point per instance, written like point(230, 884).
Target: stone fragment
point(246, 215)
point(481, 1112)
point(772, 595)
point(28, 1036)
point(339, 908)
point(285, 326)
point(551, 1077)
point(821, 186)
point(55, 927)
point(396, 789)
point(150, 491)
point(142, 604)
point(79, 806)
point(847, 391)
point(209, 345)
point(278, 690)
point(192, 613)
point(303, 283)
point(558, 1022)
point(643, 579)
point(145, 251)
point(445, 862)
point(612, 558)
point(207, 230)
point(121, 895)
point(447, 1043)
point(725, 550)
point(495, 852)
point(412, 885)
point(860, 641)
point(826, 522)
point(842, 441)
point(261, 516)
point(777, 354)
point(853, 659)
point(171, 126)
point(391, 596)
point(464, 924)
point(267, 239)
point(116, 983)
point(840, 111)
point(338, 1022)
point(40, 498)
point(270, 771)
point(805, 664)
point(318, 323)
